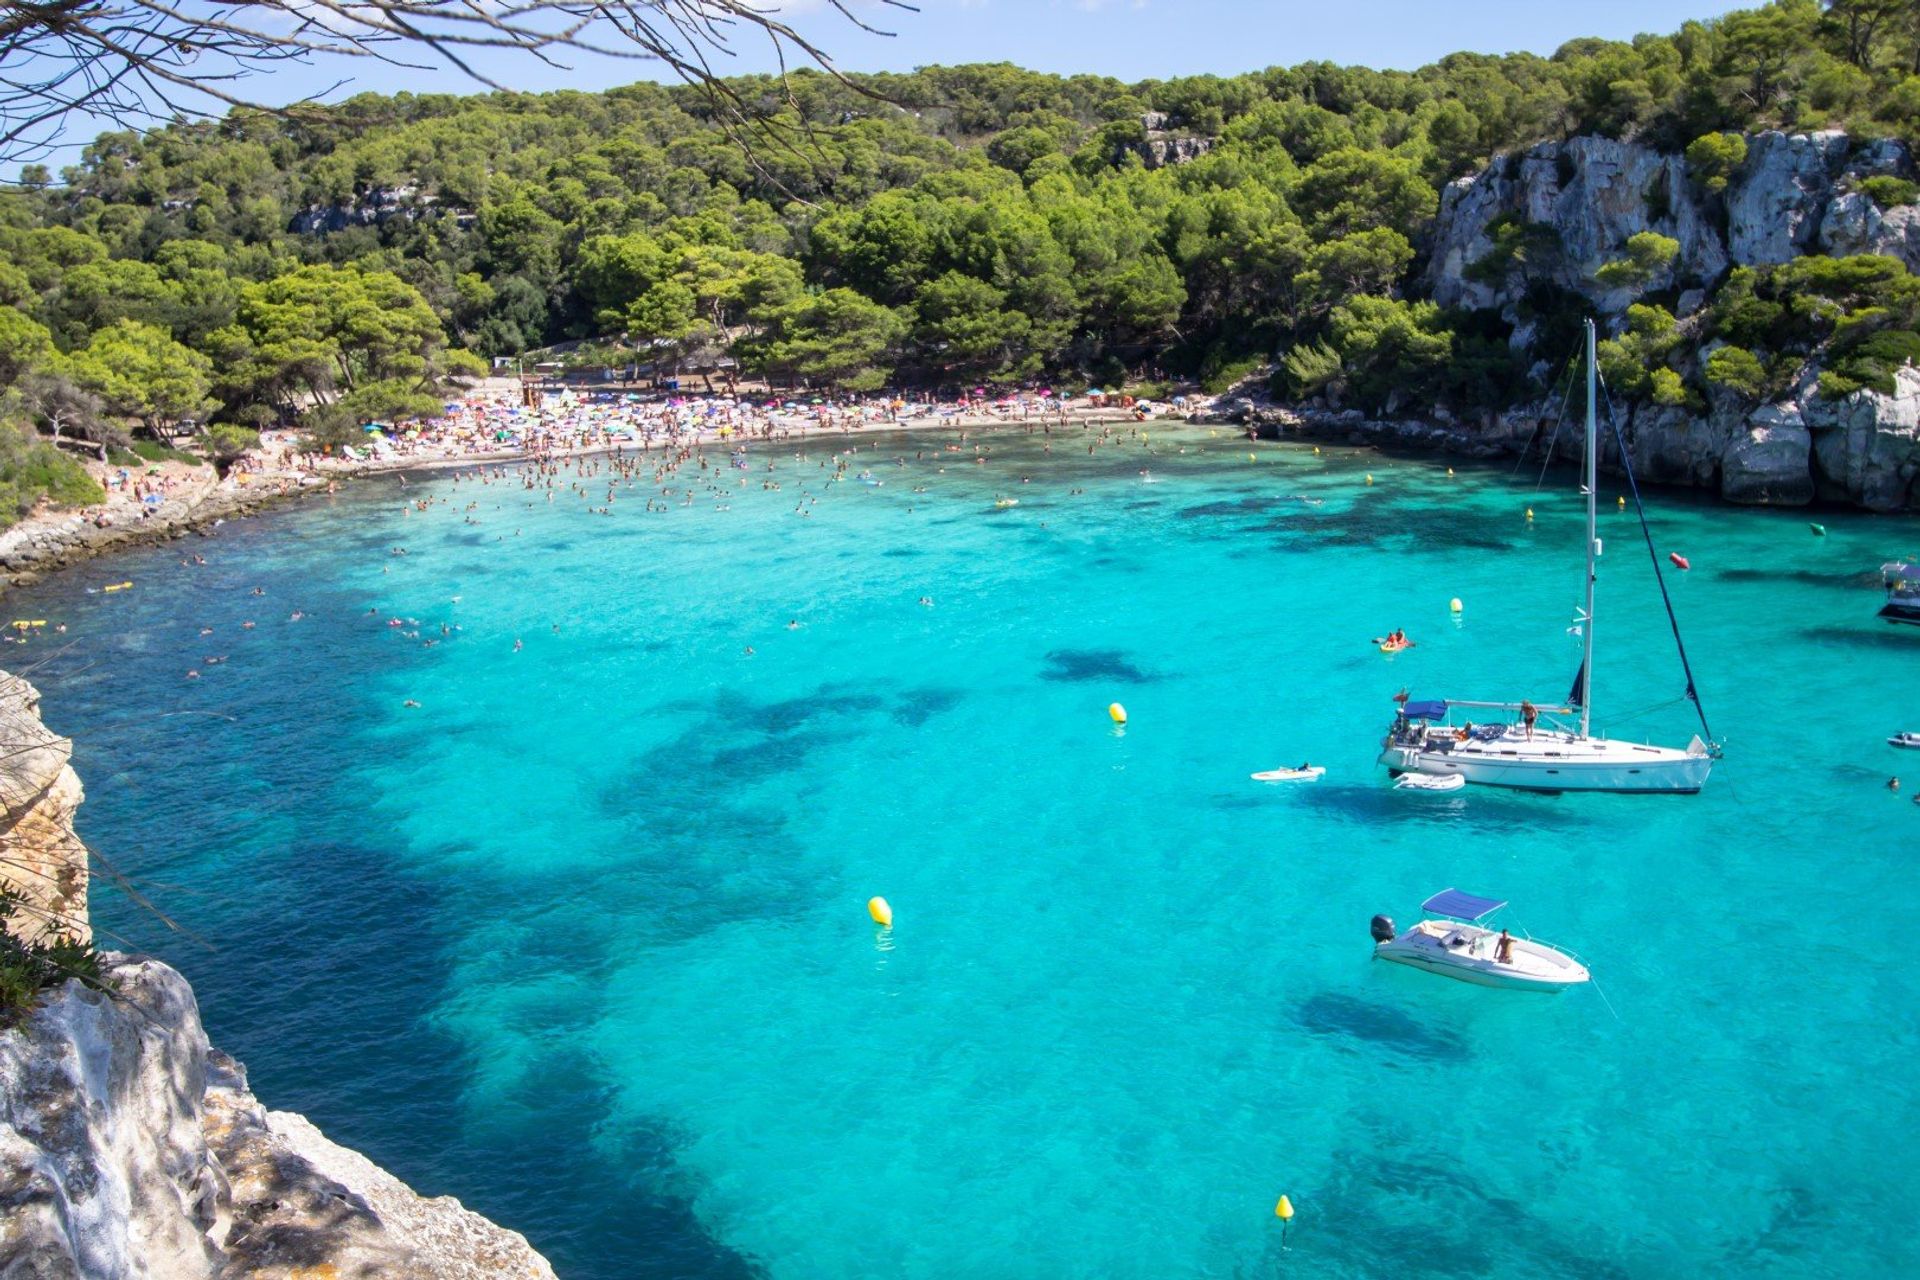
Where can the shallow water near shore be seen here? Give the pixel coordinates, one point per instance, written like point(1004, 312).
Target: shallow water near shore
point(582, 938)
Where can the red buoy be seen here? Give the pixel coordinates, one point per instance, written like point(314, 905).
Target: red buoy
point(1679, 560)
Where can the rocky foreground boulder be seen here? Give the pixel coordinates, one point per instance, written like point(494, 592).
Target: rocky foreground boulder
point(131, 1149)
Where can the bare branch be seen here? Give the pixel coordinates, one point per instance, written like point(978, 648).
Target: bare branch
point(143, 61)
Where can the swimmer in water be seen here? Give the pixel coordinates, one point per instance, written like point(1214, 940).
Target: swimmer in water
point(518, 644)
point(793, 624)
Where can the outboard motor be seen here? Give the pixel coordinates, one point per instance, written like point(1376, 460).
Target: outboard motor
point(1382, 929)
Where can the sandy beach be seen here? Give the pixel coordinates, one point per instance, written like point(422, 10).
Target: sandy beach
point(160, 501)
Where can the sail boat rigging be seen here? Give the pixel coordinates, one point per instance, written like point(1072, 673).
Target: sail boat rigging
point(1516, 752)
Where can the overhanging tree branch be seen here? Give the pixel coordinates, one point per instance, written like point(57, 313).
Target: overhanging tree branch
point(141, 61)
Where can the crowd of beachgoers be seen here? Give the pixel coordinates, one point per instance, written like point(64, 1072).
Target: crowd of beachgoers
point(495, 424)
point(589, 463)
point(501, 422)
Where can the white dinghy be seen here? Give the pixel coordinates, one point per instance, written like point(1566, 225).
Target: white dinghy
point(1305, 773)
point(1429, 782)
point(1457, 946)
point(1907, 738)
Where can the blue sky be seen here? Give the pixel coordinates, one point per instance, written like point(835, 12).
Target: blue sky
point(1129, 39)
point(1138, 39)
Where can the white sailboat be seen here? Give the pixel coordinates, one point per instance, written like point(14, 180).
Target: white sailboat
point(1535, 748)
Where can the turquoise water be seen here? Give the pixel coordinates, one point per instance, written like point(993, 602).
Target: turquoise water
point(582, 938)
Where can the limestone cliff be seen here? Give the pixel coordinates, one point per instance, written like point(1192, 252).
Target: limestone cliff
point(1792, 195)
point(41, 860)
point(129, 1147)
point(1581, 199)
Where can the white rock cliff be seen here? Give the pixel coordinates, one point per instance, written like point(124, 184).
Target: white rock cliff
point(1794, 194)
point(130, 1149)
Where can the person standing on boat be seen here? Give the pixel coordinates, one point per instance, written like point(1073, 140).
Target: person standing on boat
point(1528, 714)
point(1503, 949)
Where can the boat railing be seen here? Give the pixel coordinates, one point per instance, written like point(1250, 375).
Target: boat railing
point(1541, 707)
point(1568, 952)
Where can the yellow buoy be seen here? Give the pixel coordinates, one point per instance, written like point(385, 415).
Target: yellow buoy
point(1284, 1210)
point(1251, 458)
point(1369, 477)
point(1454, 604)
point(1449, 470)
point(1529, 513)
point(882, 913)
point(116, 586)
point(1316, 448)
point(1116, 713)
point(1621, 500)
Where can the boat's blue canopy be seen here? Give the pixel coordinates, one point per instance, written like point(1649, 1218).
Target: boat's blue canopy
point(1432, 710)
point(1461, 906)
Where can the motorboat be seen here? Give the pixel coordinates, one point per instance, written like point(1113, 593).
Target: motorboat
point(1907, 739)
point(1902, 580)
point(1552, 747)
point(1429, 782)
point(1305, 773)
point(1457, 945)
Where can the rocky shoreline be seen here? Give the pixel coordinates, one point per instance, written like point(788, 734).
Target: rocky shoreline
point(1860, 451)
point(47, 542)
point(129, 1146)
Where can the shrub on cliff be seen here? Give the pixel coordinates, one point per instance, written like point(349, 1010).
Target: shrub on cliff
point(36, 955)
point(1713, 157)
point(1889, 192)
point(1648, 254)
point(1737, 370)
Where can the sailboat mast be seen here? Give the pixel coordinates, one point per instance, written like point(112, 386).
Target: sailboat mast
point(1593, 534)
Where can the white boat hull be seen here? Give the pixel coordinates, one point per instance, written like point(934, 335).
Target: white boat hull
point(1466, 952)
point(1555, 762)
